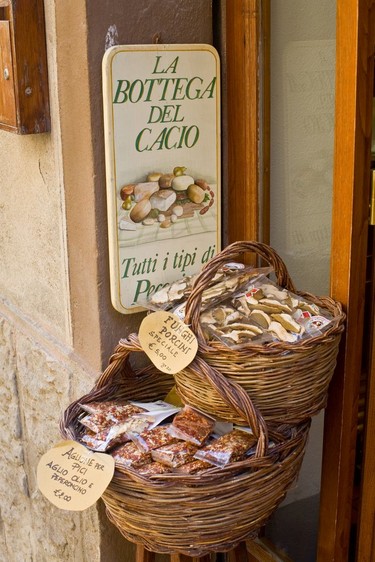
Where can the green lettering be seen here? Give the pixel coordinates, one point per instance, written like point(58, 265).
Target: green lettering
point(156, 71)
point(136, 97)
point(139, 138)
point(166, 84)
point(151, 87)
point(152, 118)
point(173, 66)
point(127, 263)
point(167, 138)
point(178, 89)
point(195, 129)
point(159, 140)
point(143, 286)
point(210, 89)
point(197, 91)
point(122, 91)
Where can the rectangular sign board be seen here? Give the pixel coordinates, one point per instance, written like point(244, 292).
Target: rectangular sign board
point(162, 148)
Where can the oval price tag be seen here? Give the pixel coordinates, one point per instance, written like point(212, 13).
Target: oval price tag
point(72, 477)
point(167, 341)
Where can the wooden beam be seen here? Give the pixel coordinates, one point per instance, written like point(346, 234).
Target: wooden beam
point(183, 558)
point(244, 20)
point(354, 75)
point(143, 555)
point(265, 102)
point(262, 550)
point(366, 517)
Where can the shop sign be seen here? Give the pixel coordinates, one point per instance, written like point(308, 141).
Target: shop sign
point(162, 149)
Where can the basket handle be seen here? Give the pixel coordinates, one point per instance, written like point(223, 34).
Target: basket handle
point(232, 393)
point(118, 362)
point(237, 399)
point(231, 253)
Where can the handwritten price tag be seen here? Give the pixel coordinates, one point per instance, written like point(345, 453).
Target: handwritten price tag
point(72, 477)
point(167, 341)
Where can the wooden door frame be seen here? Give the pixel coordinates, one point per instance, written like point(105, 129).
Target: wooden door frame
point(353, 118)
point(248, 115)
point(247, 21)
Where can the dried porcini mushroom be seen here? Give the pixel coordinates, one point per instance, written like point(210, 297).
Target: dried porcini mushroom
point(310, 307)
point(161, 297)
point(238, 335)
point(261, 318)
point(242, 327)
point(287, 322)
point(272, 291)
point(176, 290)
point(273, 303)
point(207, 317)
point(281, 333)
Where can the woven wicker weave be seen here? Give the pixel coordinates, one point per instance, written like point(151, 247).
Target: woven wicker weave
point(287, 382)
point(194, 514)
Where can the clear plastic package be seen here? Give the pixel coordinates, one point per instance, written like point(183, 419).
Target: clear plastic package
point(130, 427)
point(153, 468)
point(194, 467)
point(228, 448)
point(175, 454)
point(225, 282)
point(191, 425)
point(113, 410)
point(96, 422)
point(265, 312)
point(100, 442)
point(153, 438)
point(130, 456)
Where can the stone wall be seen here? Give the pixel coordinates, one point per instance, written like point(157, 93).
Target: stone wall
point(35, 387)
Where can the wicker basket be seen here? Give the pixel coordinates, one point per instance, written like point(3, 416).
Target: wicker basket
point(194, 514)
point(287, 382)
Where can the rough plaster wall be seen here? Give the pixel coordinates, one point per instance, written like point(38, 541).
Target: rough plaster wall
point(37, 376)
point(33, 273)
point(34, 389)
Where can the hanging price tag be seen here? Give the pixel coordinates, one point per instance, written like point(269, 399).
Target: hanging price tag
point(72, 477)
point(167, 341)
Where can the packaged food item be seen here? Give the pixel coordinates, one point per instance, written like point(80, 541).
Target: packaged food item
point(130, 427)
point(191, 425)
point(153, 438)
point(265, 312)
point(113, 410)
point(157, 412)
point(194, 467)
point(89, 438)
point(96, 422)
point(130, 456)
point(175, 454)
point(153, 468)
point(228, 448)
point(99, 441)
point(224, 283)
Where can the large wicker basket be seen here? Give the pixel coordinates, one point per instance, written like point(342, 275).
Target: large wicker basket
point(287, 382)
point(194, 514)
